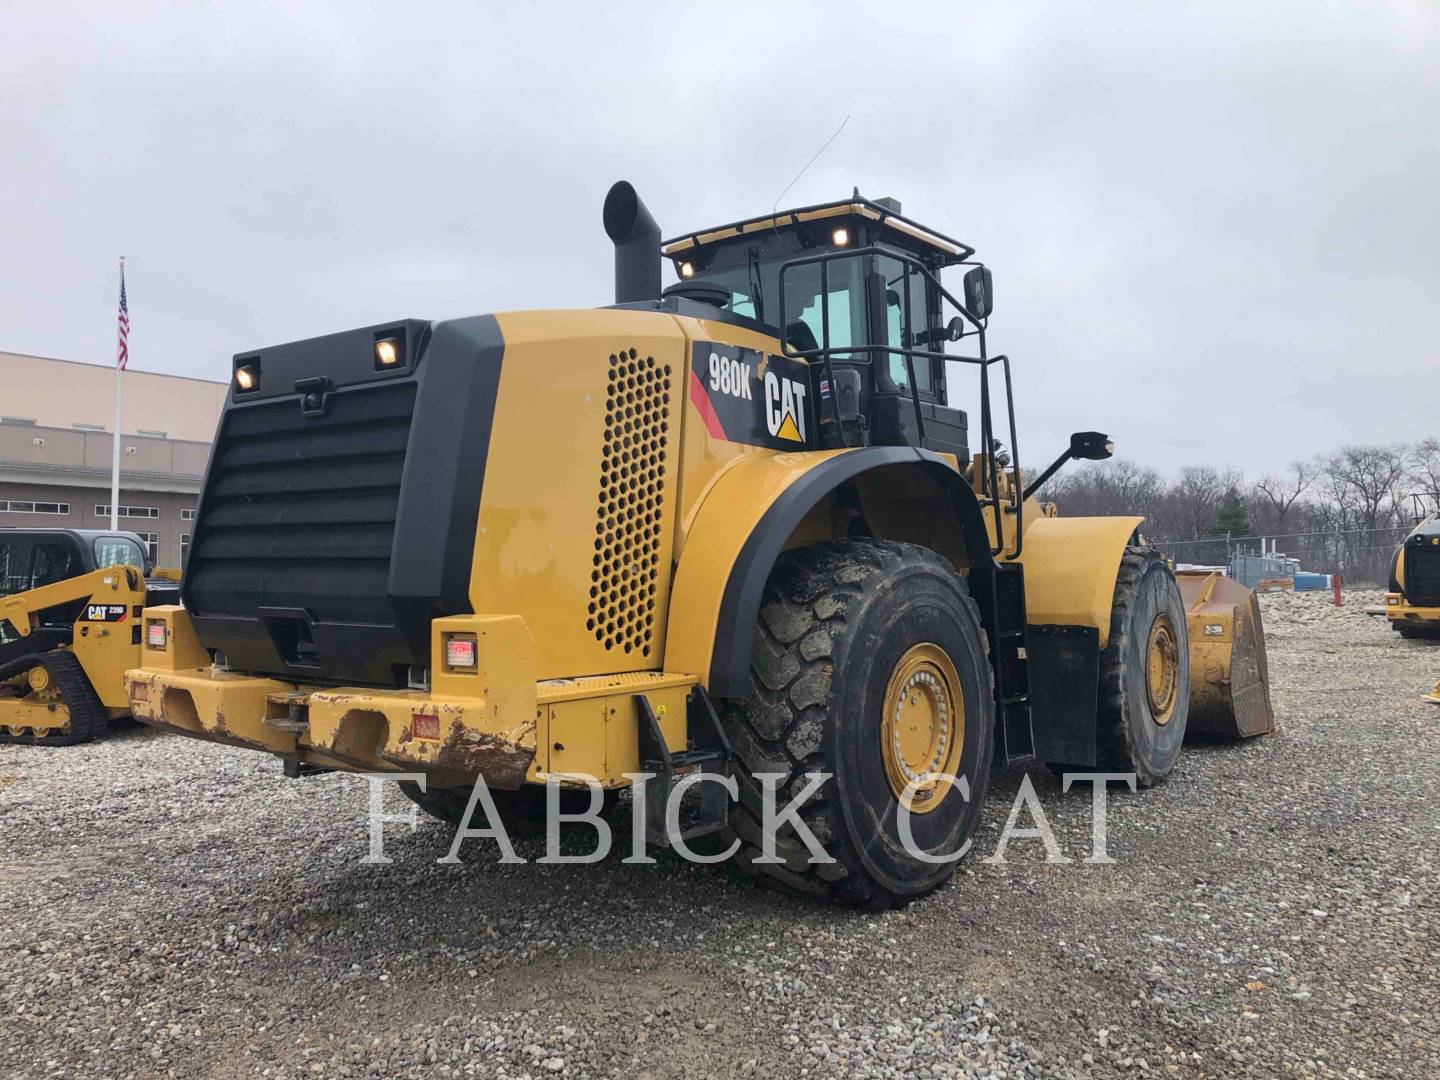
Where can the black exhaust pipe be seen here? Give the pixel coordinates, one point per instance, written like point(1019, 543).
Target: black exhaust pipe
point(637, 245)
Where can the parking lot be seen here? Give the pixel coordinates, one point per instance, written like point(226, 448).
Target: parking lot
point(177, 908)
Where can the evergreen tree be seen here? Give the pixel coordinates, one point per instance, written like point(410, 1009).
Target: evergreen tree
point(1231, 517)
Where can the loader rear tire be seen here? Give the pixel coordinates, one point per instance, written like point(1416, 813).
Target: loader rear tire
point(1144, 671)
point(869, 665)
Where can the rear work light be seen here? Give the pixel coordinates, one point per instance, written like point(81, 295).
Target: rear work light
point(460, 652)
point(155, 633)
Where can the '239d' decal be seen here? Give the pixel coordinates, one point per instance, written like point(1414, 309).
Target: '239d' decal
point(747, 396)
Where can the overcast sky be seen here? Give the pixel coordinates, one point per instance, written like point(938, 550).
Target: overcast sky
point(1214, 234)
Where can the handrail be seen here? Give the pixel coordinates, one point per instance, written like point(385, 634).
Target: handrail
point(823, 353)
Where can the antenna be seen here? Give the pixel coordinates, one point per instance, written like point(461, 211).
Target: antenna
point(810, 162)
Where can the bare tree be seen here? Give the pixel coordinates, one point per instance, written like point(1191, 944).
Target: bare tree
point(1364, 482)
point(1371, 476)
point(1197, 496)
point(1118, 487)
point(1281, 493)
point(1424, 471)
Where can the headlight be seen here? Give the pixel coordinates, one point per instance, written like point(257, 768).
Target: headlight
point(155, 633)
point(389, 353)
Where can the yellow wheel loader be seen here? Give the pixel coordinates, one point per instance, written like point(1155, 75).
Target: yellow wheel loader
point(1412, 604)
point(70, 625)
point(731, 527)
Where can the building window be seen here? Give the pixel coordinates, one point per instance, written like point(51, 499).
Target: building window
point(129, 511)
point(88, 427)
point(187, 514)
point(22, 421)
point(152, 434)
point(184, 550)
point(15, 506)
point(152, 543)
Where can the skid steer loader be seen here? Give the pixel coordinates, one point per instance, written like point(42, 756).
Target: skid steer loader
point(70, 604)
point(729, 527)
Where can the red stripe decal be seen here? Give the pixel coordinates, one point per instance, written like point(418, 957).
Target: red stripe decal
point(701, 400)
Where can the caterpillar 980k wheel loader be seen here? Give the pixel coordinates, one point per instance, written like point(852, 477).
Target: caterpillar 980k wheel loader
point(730, 526)
point(70, 604)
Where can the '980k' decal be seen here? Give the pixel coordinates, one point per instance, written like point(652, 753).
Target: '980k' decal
point(747, 396)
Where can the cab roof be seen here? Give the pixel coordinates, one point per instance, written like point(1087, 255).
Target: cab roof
point(886, 216)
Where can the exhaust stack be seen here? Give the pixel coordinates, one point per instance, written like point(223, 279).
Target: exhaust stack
point(637, 244)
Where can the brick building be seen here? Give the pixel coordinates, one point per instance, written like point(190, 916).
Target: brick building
point(56, 418)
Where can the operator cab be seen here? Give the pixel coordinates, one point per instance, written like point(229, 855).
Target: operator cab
point(852, 287)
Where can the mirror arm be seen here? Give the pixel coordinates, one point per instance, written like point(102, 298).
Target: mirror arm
point(1055, 466)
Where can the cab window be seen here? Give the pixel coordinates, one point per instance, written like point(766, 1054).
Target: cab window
point(842, 304)
point(28, 563)
point(902, 279)
point(117, 551)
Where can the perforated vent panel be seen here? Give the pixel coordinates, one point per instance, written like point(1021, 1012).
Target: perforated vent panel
point(633, 490)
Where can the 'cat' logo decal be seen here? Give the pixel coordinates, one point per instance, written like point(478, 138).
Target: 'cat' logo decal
point(747, 396)
point(785, 407)
point(105, 612)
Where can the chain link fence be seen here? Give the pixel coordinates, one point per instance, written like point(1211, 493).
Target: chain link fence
point(1359, 556)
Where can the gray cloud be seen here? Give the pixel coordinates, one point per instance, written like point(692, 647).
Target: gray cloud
point(1212, 229)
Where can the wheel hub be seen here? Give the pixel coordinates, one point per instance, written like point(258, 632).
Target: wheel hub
point(923, 728)
point(1162, 669)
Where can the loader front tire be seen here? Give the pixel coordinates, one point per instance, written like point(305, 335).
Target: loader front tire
point(869, 667)
point(1144, 671)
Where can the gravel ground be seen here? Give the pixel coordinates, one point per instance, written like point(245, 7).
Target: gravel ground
point(178, 909)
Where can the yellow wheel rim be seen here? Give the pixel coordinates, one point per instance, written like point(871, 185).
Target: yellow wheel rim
point(1162, 669)
point(38, 678)
point(923, 729)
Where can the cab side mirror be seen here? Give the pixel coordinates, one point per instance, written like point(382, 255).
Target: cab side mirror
point(955, 328)
point(1091, 446)
point(979, 294)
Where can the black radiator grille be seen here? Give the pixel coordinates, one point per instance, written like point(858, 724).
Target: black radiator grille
point(299, 511)
point(1422, 572)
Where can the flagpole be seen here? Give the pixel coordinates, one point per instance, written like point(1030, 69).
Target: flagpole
point(115, 454)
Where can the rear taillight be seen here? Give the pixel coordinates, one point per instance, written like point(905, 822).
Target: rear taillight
point(460, 652)
point(156, 633)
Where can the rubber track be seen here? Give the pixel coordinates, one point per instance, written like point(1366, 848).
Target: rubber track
point(88, 718)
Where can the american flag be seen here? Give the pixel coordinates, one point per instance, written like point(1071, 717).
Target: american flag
point(123, 356)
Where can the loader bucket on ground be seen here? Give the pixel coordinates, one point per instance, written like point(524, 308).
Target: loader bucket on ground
point(1229, 679)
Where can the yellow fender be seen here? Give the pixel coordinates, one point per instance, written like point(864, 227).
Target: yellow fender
point(756, 508)
point(1070, 569)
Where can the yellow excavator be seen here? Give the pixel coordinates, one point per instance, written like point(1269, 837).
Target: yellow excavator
point(732, 528)
point(70, 625)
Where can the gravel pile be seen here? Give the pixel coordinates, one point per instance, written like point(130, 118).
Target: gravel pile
point(178, 909)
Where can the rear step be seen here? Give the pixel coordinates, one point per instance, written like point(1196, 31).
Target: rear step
point(705, 805)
